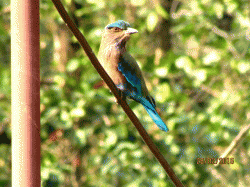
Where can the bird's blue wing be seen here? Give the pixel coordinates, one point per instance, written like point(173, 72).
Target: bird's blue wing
point(130, 69)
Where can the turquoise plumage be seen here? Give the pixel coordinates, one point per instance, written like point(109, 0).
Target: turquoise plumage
point(123, 69)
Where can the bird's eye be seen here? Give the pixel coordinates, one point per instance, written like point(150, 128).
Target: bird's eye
point(116, 29)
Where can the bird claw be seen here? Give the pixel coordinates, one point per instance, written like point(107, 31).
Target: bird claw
point(122, 95)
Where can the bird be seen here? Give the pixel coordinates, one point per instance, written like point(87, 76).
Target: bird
point(123, 68)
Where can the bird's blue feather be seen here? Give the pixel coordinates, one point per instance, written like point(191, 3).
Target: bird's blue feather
point(129, 72)
point(120, 24)
point(153, 114)
point(133, 90)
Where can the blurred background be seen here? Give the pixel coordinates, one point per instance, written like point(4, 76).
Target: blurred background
point(195, 58)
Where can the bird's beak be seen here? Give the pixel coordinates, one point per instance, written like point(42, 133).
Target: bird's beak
point(131, 31)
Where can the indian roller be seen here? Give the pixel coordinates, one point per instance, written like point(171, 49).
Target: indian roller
point(123, 68)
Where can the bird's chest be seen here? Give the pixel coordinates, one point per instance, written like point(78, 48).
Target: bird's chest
point(110, 61)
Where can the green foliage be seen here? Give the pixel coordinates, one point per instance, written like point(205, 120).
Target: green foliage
point(195, 57)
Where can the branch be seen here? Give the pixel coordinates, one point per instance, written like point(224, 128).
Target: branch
point(235, 142)
point(113, 88)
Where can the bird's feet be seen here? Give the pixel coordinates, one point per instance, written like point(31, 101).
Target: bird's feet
point(122, 95)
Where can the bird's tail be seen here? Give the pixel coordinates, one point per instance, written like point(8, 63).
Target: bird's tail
point(153, 114)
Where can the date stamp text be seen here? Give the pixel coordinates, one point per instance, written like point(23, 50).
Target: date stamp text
point(215, 160)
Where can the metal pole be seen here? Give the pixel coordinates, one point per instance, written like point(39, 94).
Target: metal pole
point(25, 92)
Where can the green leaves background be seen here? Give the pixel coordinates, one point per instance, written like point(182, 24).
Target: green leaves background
point(195, 57)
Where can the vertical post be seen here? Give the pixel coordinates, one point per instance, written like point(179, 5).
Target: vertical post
point(25, 92)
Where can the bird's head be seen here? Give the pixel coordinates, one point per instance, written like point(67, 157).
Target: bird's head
point(118, 32)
